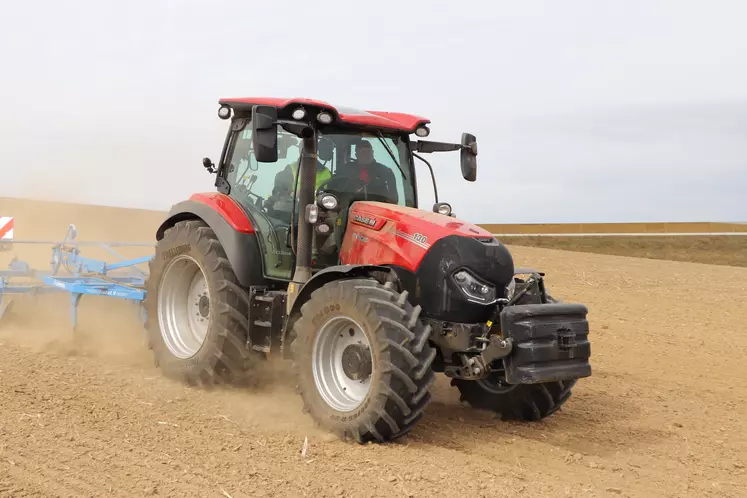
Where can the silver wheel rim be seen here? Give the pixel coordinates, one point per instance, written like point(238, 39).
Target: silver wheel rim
point(183, 307)
point(339, 347)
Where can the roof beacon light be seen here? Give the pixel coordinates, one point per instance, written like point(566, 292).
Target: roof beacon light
point(224, 112)
point(422, 131)
point(324, 117)
point(299, 114)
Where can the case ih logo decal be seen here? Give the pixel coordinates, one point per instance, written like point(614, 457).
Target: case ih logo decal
point(418, 239)
point(6, 232)
point(364, 220)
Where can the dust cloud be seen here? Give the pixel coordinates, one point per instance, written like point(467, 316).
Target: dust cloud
point(89, 414)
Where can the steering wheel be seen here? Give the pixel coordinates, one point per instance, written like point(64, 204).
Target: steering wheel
point(331, 185)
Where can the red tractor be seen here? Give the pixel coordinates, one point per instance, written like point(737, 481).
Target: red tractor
point(313, 248)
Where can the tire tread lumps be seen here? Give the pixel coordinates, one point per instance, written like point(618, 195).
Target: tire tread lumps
point(402, 394)
point(224, 358)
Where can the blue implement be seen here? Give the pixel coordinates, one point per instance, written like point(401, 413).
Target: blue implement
point(70, 272)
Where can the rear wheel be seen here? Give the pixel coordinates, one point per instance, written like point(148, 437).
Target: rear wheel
point(196, 310)
point(362, 360)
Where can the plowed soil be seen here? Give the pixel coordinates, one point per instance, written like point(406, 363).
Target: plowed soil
point(663, 414)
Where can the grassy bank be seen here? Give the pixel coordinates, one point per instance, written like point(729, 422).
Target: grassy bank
point(730, 251)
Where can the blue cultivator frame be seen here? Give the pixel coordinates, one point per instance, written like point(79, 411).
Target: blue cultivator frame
point(78, 275)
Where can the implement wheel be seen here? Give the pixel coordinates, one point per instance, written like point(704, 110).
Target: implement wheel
point(362, 360)
point(196, 309)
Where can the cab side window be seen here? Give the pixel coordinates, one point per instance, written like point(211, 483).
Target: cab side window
point(262, 189)
point(253, 182)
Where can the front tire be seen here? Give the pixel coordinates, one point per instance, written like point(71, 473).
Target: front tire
point(362, 360)
point(515, 402)
point(518, 402)
point(196, 310)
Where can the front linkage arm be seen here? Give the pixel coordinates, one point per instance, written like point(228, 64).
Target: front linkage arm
point(478, 352)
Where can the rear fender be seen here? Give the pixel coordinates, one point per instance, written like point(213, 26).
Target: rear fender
point(235, 234)
point(381, 273)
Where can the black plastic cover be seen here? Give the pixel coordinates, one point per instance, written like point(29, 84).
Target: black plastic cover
point(432, 285)
point(550, 342)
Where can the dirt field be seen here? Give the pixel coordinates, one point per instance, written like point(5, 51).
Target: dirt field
point(716, 250)
point(662, 415)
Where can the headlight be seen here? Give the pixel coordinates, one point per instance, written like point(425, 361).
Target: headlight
point(475, 290)
point(299, 113)
point(328, 201)
point(312, 213)
point(511, 289)
point(442, 208)
point(324, 117)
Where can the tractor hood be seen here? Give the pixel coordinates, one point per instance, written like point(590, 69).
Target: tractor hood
point(411, 220)
point(427, 250)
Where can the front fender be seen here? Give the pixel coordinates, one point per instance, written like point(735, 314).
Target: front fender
point(381, 273)
point(239, 243)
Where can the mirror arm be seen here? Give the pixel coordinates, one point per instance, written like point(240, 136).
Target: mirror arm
point(293, 127)
point(433, 177)
point(426, 146)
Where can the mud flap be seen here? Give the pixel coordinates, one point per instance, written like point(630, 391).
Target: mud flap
point(550, 342)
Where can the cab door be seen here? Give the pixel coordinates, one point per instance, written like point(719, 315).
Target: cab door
point(265, 190)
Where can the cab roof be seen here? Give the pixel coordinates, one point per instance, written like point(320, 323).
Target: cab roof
point(378, 119)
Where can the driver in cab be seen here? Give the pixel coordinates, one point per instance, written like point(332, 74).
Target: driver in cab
point(282, 191)
point(375, 178)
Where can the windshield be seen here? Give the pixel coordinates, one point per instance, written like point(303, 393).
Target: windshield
point(373, 166)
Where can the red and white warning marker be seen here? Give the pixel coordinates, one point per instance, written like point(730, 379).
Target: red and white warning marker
point(6, 231)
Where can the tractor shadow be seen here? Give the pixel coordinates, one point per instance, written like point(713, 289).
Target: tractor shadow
point(592, 422)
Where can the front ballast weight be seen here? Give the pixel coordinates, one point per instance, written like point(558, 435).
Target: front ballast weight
point(519, 324)
point(75, 274)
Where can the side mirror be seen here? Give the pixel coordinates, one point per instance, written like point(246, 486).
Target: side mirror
point(265, 133)
point(468, 157)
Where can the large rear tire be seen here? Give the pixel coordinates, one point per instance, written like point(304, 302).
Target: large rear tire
point(362, 360)
point(196, 311)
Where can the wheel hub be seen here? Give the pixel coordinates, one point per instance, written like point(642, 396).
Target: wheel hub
point(203, 306)
point(356, 362)
point(496, 383)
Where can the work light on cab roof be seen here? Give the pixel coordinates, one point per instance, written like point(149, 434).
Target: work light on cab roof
point(325, 113)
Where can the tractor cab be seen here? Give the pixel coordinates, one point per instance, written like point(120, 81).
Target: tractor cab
point(356, 156)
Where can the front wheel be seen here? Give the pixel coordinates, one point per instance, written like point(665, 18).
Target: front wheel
point(524, 402)
point(362, 360)
point(196, 310)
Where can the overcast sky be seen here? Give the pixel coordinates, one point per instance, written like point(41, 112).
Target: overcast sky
point(578, 106)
